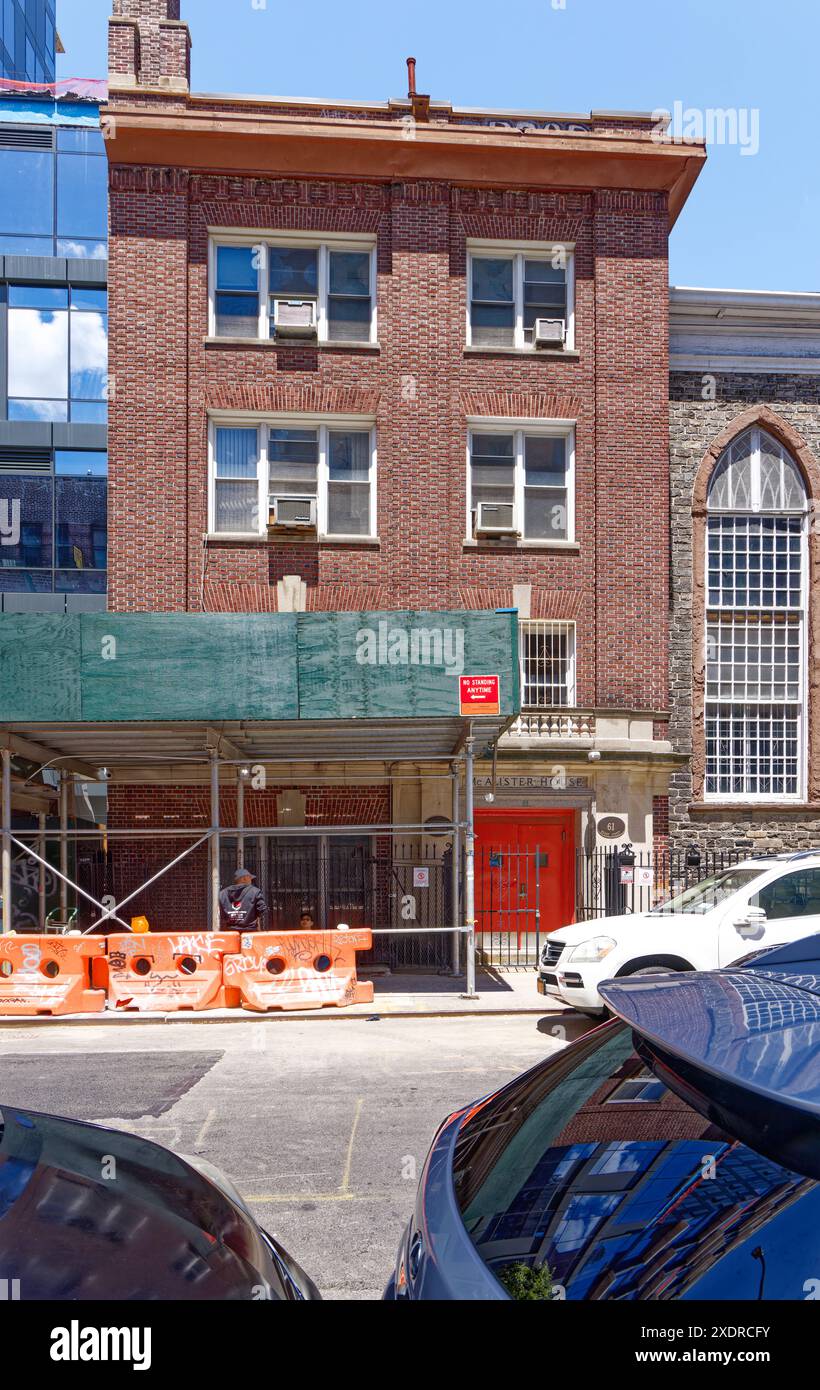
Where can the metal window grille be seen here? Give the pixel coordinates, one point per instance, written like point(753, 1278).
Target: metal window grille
point(547, 664)
point(753, 750)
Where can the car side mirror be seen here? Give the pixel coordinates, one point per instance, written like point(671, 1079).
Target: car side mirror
point(752, 924)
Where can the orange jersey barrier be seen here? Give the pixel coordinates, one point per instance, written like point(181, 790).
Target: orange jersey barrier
point(298, 970)
point(49, 975)
point(164, 972)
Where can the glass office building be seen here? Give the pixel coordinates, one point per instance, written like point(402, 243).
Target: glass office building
point(28, 39)
point(53, 355)
point(64, 172)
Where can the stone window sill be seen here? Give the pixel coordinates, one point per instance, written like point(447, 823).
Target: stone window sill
point(566, 354)
point(488, 547)
point(338, 344)
point(238, 538)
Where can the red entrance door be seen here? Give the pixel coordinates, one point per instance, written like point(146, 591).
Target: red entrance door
point(524, 871)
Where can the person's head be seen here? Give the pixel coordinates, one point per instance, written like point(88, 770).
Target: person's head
point(306, 922)
point(243, 877)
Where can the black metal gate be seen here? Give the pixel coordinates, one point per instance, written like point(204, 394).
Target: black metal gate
point(508, 904)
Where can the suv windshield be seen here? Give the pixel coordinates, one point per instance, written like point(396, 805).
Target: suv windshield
point(587, 1178)
point(703, 896)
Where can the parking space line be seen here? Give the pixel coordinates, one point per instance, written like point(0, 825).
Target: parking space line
point(344, 1186)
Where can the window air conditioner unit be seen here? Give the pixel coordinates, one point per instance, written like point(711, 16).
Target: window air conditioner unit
point(495, 519)
point(294, 318)
point(549, 333)
point(293, 512)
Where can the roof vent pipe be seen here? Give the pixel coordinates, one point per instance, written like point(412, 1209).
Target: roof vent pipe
point(419, 103)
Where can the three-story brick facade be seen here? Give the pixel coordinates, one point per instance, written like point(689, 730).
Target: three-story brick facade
point(399, 355)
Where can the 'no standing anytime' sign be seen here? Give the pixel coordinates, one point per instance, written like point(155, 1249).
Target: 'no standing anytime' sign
point(480, 694)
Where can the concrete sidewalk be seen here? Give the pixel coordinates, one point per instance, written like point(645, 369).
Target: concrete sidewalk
point(500, 992)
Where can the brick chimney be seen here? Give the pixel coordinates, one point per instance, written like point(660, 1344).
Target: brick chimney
point(149, 46)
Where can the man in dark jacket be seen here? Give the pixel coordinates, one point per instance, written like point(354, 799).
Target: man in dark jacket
point(242, 906)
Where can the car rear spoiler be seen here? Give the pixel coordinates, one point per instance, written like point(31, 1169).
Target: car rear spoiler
point(740, 1045)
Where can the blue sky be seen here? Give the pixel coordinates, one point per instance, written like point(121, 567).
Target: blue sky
point(752, 220)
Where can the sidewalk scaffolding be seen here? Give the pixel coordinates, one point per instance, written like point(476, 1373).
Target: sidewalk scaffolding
point(370, 744)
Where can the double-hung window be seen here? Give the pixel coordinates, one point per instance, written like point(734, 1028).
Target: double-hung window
point(512, 290)
point(309, 288)
point(261, 473)
point(755, 623)
point(237, 508)
point(521, 481)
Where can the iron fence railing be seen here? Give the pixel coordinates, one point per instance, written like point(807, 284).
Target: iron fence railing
point(607, 885)
point(391, 886)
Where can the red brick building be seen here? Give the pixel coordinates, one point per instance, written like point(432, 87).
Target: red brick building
point(401, 355)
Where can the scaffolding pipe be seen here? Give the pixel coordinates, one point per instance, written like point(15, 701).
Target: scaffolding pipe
point(215, 840)
point(5, 816)
point(41, 873)
point(298, 831)
point(240, 819)
point(455, 870)
point(64, 786)
point(30, 852)
point(111, 912)
point(469, 866)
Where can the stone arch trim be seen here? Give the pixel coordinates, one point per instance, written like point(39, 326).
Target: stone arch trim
point(764, 418)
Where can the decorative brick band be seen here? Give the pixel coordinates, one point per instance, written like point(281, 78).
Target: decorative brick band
point(521, 405)
point(521, 202)
point(316, 193)
point(272, 213)
point(232, 597)
point(544, 603)
point(288, 399)
point(348, 598)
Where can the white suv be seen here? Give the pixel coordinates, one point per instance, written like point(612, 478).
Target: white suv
point(749, 907)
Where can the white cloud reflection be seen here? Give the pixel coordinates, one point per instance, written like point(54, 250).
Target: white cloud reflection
point(38, 356)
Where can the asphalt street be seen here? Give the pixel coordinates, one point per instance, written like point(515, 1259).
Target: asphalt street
point(323, 1125)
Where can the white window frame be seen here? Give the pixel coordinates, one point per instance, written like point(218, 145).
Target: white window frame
point(324, 425)
point(565, 627)
point(552, 429)
point(756, 511)
point(324, 243)
point(519, 252)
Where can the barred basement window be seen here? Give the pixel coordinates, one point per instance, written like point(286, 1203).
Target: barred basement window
point(547, 665)
point(755, 623)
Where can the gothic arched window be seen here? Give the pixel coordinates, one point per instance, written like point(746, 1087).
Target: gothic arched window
point(755, 623)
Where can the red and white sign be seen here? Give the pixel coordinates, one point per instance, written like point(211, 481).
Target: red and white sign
point(480, 694)
point(421, 878)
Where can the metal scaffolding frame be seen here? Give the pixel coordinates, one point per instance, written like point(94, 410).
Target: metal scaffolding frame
point(457, 764)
